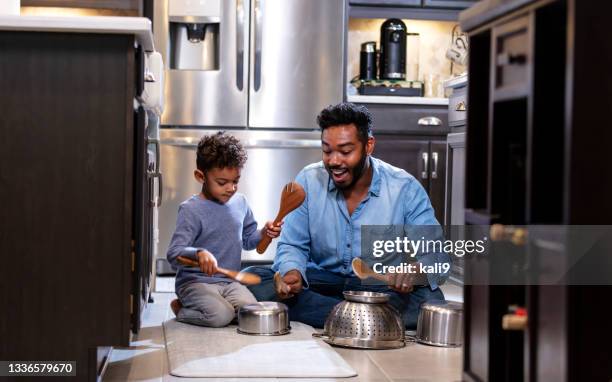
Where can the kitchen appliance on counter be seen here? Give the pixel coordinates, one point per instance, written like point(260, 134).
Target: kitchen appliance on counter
point(368, 66)
point(393, 50)
point(270, 67)
point(391, 88)
point(398, 73)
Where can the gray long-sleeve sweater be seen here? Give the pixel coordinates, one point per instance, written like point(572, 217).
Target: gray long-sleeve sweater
point(222, 229)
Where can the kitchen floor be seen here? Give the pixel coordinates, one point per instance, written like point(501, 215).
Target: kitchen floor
point(146, 360)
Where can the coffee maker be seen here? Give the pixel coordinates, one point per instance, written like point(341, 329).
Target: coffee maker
point(393, 50)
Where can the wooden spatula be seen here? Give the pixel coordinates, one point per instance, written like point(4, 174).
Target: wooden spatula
point(292, 197)
point(245, 278)
point(363, 271)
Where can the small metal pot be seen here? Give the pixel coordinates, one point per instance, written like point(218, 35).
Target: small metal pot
point(265, 318)
point(440, 323)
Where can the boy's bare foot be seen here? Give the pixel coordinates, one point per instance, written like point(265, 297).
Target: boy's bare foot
point(175, 305)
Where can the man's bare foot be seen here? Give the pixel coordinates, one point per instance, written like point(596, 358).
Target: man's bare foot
point(175, 305)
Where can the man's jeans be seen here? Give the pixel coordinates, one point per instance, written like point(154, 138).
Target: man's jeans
point(313, 305)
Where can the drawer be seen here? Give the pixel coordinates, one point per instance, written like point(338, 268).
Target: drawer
point(512, 58)
point(457, 107)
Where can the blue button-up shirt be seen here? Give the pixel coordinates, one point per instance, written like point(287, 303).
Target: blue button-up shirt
point(321, 234)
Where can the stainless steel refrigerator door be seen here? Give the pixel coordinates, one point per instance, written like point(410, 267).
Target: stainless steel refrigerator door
point(208, 97)
point(296, 61)
point(274, 158)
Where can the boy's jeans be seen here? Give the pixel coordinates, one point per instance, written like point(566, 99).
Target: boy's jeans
point(212, 304)
point(313, 305)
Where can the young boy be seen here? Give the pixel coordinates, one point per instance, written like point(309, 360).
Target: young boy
point(213, 227)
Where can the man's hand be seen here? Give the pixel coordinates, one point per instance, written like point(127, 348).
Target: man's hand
point(273, 230)
point(401, 282)
point(405, 282)
point(208, 262)
point(288, 285)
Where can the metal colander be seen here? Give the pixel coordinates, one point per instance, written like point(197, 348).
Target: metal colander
point(364, 320)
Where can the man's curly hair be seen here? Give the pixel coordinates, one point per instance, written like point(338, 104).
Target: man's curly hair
point(220, 150)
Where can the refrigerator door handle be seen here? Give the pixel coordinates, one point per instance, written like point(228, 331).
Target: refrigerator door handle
point(252, 143)
point(160, 189)
point(239, 43)
point(258, 21)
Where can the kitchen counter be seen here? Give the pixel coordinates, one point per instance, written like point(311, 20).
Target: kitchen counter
point(397, 100)
point(456, 82)
point(487, 10)
point(140, 27)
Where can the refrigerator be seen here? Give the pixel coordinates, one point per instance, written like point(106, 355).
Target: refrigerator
point(259, 69)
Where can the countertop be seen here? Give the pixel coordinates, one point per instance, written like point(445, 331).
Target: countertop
point(397, 100)
point(140, 27)
point(487, 10)
point(456, 82)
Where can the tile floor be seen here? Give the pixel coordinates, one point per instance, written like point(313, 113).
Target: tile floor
point(146, 360)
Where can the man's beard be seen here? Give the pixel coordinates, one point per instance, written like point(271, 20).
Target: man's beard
point(357, 172)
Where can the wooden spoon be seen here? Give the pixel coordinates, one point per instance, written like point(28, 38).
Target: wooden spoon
point(363, 271)
point(245, 278)
point(292, 197)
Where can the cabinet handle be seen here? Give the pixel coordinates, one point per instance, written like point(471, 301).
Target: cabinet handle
point(429, 121)
point(434, 172)
point(460, 106)
point(425, 157)
point(506, 58)
point(518, 236)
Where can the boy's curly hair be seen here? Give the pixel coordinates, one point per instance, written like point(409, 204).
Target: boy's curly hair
point(220, 150)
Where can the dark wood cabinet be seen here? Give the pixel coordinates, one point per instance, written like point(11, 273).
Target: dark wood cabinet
point(423, 158)
point(450, 4)
point(74, 189)
point(453, 4)
point(408, 9)
point(538, 95)
point(455, 184)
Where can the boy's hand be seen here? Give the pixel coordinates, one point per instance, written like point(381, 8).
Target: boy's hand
point(208, 262)
point(273, 230)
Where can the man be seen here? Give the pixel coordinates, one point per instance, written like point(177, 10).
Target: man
point(348, 189)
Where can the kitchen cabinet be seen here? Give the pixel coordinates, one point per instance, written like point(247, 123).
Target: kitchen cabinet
point(424, 158)
point(408, 9)
point(451, 4)
point(418, 149)
point(77, 207)
point(533, 146)
point(455, 192)
point(123, 5)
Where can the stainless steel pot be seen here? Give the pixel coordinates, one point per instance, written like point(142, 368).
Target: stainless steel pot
point(264, 318)
point(440, 323)
point(364, 320)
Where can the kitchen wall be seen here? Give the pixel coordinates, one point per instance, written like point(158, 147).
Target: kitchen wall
point(435, 38)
